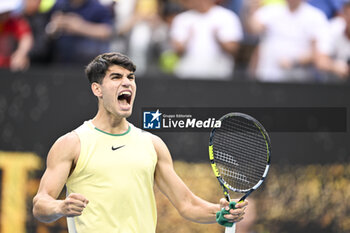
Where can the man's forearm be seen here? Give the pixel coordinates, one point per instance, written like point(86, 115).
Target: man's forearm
point(200, 211)
point(46, 209)
point(25, 44)
point(93, 30)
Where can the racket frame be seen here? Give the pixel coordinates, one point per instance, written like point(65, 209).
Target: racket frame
point(225, 186)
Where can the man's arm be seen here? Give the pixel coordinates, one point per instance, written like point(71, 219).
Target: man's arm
point(75, 24)
point(61, 157)
point(188, 204)
point(20, 58)
point(230, 47)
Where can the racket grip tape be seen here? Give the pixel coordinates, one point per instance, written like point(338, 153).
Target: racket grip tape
point(220, 215)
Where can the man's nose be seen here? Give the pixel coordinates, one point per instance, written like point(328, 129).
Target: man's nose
point(126, 81)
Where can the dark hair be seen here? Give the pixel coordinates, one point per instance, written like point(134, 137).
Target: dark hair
point(97, 68)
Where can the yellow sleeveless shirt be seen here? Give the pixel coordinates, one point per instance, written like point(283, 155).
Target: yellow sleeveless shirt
point(115, 172)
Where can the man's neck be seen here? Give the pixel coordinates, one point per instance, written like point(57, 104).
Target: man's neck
point(110, 124)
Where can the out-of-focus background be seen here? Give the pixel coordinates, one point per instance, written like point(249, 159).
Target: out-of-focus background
point(197, 53)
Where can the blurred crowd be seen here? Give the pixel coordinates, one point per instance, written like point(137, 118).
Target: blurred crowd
point(264, 40)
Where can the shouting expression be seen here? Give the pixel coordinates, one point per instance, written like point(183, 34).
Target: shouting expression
point(116, 92)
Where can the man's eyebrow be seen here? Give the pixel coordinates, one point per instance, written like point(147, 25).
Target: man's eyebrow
point(119, 74)
point(115, 74)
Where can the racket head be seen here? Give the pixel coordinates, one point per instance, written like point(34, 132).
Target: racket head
point(240, 153)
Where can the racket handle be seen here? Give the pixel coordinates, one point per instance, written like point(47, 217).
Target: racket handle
point(231, 229)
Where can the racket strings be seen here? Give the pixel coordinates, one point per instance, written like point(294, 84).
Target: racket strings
point(252, 145)
point(247, 161)
point(240, 151)
point(235, 175)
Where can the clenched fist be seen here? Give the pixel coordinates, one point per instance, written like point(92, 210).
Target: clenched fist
point(73, 205)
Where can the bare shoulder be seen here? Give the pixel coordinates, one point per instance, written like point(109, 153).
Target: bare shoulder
point(67, 147)
point(157, 141)
point(161, 148)
point(69, 141)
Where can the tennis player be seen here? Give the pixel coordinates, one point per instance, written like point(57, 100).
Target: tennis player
point(109, 166)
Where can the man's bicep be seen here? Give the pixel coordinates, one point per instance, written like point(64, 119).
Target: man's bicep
point(164, 163)
point(166, 178)
point(52, 182)
point(59, 164)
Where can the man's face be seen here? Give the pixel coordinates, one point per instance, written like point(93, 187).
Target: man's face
point(117, 91)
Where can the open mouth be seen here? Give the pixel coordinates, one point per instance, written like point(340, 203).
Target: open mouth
point(124, 97)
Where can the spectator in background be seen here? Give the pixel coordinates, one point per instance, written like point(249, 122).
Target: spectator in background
point(294, 40)
point(206, 37)
point(123, 10)
point(331, 8)
point(15, 38)
point(340, 33)
point(40, 53)
point(138, 23)
point(168, 58)
point(80, 29)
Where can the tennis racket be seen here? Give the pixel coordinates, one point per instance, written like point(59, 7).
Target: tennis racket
point(240, 154)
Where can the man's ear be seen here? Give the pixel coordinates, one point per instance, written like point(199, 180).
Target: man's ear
point(96, 89)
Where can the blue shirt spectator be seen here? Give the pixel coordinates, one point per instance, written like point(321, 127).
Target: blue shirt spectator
point(81, 29)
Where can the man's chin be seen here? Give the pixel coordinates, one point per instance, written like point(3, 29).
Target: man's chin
point(125, 113)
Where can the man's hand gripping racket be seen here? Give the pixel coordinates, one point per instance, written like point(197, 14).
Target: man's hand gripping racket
point(240, 154)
